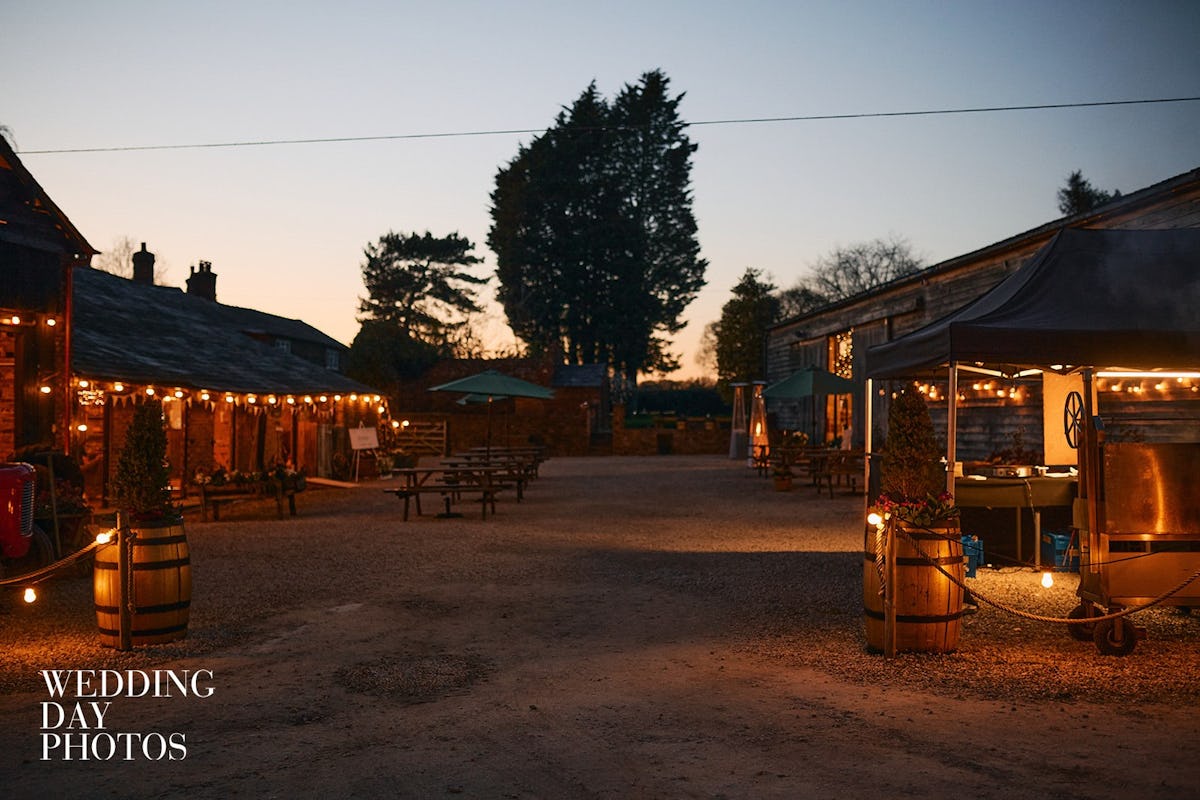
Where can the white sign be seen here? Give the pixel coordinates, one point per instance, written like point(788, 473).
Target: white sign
point(364, 438)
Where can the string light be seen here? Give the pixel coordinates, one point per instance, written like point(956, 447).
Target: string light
point(30, 594)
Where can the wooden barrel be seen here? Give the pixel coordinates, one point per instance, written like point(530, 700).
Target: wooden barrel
point(929, 606)
point(161, 586)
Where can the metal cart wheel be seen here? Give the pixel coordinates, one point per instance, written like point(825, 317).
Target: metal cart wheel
point(1082, 632)
point(1105, 637)
point(1073, 419)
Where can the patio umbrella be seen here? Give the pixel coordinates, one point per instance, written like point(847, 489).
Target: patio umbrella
point(811, 381)
point(493, 385)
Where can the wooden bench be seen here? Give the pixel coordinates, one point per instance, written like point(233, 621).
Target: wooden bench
point(215, 496)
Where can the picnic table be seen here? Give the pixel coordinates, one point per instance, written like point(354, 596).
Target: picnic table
point(451, 482)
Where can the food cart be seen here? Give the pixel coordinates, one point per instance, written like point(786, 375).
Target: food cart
point(1093, 304)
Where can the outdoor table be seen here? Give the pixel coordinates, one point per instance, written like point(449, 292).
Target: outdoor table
point(447, 481)
point(1033, 493)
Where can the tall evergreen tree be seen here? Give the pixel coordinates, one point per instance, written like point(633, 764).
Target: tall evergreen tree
point(740, 333)
point(418, 285)
point(1080, 197)
point(593, 231)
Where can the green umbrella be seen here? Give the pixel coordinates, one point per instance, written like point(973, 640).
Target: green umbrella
point(494, 385)
point(810, 382)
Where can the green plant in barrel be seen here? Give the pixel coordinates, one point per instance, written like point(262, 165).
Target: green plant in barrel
point(912, 479)
point(141, 482)
point(156, 594)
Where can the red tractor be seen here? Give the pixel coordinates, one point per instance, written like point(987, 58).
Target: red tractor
point(23, 546)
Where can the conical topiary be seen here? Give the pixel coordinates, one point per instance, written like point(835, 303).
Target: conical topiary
point(141, 481)
point(912, 471)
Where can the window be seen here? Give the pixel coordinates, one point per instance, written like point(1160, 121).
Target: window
point(333, 360)
point(283, 344)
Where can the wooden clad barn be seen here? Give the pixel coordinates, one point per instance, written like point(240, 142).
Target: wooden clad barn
point(837, 336)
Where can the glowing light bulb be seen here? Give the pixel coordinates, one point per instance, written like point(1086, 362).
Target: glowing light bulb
point(81, 427)
point(395, 424)
point(51, 321)
point(118, 387)
point(104, 537)
point(45, 389)
point(83, 384)
point(1047, 580)
point(30, 594)
point(323, 398)
point(179, 394)
point(150, 391)
point(204, 395)
point(874, 519)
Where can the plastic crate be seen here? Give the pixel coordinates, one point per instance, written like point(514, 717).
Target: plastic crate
point(973, 550)
point(1058, 553)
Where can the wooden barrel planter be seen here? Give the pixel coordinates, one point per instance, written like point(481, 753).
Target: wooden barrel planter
point(929, 606)
point(161, 585)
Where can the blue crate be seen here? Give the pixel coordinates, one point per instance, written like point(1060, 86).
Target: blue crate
point(973, 550)
point(1058, 553)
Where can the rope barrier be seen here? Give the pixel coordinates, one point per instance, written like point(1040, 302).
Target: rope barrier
point(1039, 617)
point(39, 575)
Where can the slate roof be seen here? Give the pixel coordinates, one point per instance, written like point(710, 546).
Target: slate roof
point(585, 375)
point(27, 214)
point(254, 322)
point(135, 332)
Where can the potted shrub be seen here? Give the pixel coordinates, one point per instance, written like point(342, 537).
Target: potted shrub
point(161, 583)
point(783, 476)
point(914, 509)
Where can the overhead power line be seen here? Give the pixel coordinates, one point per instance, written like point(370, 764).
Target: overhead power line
point(517, 131)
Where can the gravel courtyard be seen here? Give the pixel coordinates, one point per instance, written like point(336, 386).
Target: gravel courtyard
point(636, 628)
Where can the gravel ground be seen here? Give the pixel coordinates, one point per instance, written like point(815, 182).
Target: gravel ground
point(649, 627)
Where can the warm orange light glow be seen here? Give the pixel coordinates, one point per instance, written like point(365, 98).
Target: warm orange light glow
point(118, 387)
point(15, 320)
point(104, 537)
point(228, 398)
point(353, 397)
point(395, 424)
point(81, 427)
point(179, 393)
point(30, 595)
point(874, 519)
point(323, 398)
point(150, 391)
point(84, 384)
point(404, 424)
point(1047, 579)
point(204, 395)
point(51, 321)
point(45, 389)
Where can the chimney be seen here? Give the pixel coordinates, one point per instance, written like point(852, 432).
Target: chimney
point(143, 266)
point(203, 281)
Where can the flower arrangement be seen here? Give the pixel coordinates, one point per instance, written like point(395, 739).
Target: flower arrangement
point(912, 475)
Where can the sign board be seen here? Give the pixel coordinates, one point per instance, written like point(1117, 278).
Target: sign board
point(364, 438)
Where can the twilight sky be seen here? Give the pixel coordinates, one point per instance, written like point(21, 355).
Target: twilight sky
point(284, 226)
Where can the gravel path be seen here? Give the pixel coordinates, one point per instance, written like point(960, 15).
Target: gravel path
point(637, 627)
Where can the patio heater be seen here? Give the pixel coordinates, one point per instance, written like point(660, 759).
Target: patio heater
point(759, 443)
point(737, 427)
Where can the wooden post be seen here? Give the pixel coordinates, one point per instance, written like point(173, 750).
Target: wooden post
point(889, 591)
point(124, 573)
point(952, 430)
